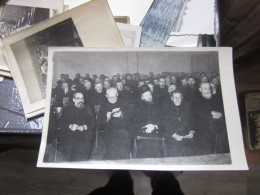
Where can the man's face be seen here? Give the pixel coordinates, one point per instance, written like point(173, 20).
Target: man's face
point(191, 82)
point(162, 83)
point(156, 82)
point(171, 88)
point(87, 76)
point(173, 79)
point(204, 79)
point(167, 82)
point(114, 78)
point(112, 96)
point(128, 77)
point(147, 96)
point(106, 84)
point(119, 86)
point(87, 84)
point(151, 74)
point(177, 99)
point(78, 100)
point(99, 87)
point(215, 81)
point(184, 82)
point(81, 81)
point(65, 101)
point(205, 90)
point(65, 86)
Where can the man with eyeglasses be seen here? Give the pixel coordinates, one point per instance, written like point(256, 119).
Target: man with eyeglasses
point(76, 135)
point(113, 117)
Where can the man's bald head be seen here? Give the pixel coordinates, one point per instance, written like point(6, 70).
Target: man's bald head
point(112, 95)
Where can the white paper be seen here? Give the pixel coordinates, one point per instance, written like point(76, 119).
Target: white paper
point(198, 18)
point(131, 34)
point(183, 41)
point(135, 9)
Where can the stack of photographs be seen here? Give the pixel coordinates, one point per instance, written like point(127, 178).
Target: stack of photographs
point(27, 51)
point(17, 15)
point(143, 109)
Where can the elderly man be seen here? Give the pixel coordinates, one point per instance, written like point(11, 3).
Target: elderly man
point(147, 123)
point(76, 135)
point(210, 122)
point(114, 118)
point(179, 130)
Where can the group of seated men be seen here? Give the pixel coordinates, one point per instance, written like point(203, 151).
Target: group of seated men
point(186, 109)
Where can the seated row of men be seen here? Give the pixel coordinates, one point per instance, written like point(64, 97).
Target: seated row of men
point(193, 123)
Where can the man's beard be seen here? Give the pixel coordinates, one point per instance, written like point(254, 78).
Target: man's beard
point(80, 105)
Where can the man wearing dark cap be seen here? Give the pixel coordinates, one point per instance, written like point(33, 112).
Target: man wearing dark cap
point(147, 123)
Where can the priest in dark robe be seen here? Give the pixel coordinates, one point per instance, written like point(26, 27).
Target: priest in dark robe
point(114, 118)
point(76, 136)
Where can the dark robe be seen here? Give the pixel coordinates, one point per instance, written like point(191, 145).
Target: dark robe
point(117, 135)
point(211, 133)
point(76, 145)
point(160, 95)
point(60, 93)
point(98, 98)
point(178, 120)
point(148, 113)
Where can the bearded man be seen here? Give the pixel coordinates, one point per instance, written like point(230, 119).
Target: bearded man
point(77, 131)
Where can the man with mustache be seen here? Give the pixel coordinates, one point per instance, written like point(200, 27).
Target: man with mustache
point(77, 130)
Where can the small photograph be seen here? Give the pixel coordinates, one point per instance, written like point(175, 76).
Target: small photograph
point(14, 18)
point(135, 107)
point(36, 64)
point(253, 119)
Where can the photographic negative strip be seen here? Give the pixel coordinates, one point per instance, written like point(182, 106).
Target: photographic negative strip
point(17, 15)
point(141, 108)
point(26, 51)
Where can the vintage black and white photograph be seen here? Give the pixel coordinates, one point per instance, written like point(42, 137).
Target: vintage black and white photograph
point(135, 107)
point(37, 61)
point(26, 51)
point(131, 34)
point(14, 18)
point(17, 15)
point(252, 102)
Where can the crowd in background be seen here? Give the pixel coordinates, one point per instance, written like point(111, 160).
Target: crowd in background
point(128, 84)
point(184, 108)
